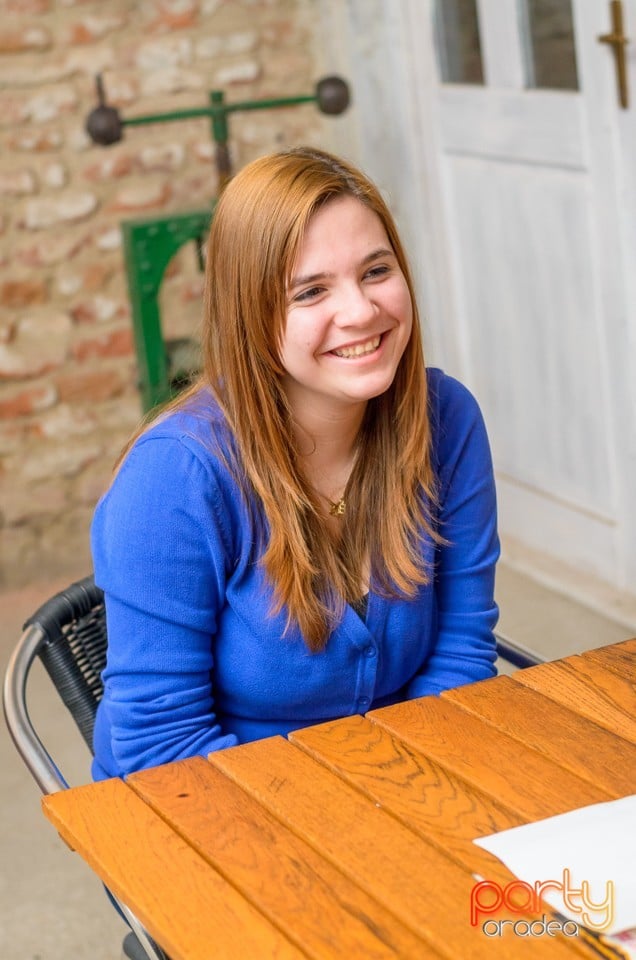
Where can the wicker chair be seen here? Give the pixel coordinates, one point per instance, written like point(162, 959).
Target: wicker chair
point(68, 634)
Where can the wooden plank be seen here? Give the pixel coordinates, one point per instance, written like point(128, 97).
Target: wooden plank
point(314, 904)
point(430, 893)
point(616, 657)
point(435, 803)
point(572, 741)
point(515, 775)
point(191, 911)
point(420, 793)
point(587, 688)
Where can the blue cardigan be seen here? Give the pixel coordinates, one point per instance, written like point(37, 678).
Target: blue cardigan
point(195, 660)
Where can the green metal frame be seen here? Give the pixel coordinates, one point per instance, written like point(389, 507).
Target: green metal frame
point(149, 246)
point(218, 112)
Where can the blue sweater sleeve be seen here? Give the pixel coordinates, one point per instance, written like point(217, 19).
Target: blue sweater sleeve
point(465, 564)
point(161, 552)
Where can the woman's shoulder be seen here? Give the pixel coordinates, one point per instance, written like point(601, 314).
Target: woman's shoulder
point(176, 466)
point(448, 396)
point(197, 416)
point(197, 426)
point(457, 424)
point(187, 445)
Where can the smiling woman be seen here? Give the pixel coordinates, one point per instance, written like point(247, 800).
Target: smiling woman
point(310, 530)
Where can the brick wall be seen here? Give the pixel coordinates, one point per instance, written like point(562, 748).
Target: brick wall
point(68, 396)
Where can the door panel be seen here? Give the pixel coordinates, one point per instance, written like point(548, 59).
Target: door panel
point(529, 307)
point(513, 126)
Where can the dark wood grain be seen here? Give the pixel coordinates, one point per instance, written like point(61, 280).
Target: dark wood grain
point(425, 889)
point(618, 658)
point(589, 689)
point(511, 773)
point(572, 741)
point(437, 804)
point(313, 903)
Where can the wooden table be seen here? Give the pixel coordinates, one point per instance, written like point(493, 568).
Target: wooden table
point(352, 839)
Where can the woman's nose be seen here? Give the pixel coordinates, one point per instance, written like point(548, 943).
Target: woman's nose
point(355, 307)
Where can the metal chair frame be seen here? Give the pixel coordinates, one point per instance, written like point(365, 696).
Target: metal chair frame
point(68, 634)
point(515, 653)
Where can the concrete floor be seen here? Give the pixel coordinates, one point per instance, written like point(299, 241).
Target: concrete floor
point(52, 907)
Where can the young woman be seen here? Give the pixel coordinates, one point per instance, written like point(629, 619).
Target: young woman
point(309, 531)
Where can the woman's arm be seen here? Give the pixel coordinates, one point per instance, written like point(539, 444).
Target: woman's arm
point(464, 649)
point(162, 549)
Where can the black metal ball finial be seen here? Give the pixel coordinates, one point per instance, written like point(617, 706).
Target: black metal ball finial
point(332, 94)
point(103, 124)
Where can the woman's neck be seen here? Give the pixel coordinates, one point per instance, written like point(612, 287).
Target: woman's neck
point(327, 449)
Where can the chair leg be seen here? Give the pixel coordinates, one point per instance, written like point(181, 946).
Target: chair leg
point(132, 948)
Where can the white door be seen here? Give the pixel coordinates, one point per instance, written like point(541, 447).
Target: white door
point(515, 189)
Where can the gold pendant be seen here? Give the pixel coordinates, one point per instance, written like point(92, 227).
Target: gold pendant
point(337, 508)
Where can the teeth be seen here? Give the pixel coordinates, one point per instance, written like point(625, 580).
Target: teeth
point(360, 349)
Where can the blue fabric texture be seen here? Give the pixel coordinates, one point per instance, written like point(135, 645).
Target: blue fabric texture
point(196, 662)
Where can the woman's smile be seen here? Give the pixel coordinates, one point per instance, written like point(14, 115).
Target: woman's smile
point(355, 350)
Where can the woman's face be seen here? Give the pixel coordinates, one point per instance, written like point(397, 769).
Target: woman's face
point(349, 312)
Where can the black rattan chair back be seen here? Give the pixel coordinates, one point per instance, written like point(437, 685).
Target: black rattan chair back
point(74, 649)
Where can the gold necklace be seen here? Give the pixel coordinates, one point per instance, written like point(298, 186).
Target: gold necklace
point(336, 507)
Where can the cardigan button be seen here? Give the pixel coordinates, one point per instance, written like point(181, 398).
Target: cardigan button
point(369, 651)
point(364, 702)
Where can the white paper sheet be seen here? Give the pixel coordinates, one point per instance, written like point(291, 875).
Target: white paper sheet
point(593, 849)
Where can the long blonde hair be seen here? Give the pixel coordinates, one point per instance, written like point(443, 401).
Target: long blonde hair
point(256, 233)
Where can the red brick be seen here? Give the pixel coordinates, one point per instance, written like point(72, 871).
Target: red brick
point(174, 268)
point(109, 167)
point(95, 276)
point(36, 141)
point(174, 15)
point(22, 293)
point(116, 343)
point(22, 402)
point(7, 330)
point(12, 109)
point(24, 38)
point(91, 28)
point(193, 290)
point(91, 387)
point(45, 254)
point(12, 437)
point(27, 6)
point(99, 309)
point(17, 182)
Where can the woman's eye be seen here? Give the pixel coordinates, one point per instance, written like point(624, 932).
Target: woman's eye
point(375, 272)
point(308, 294)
